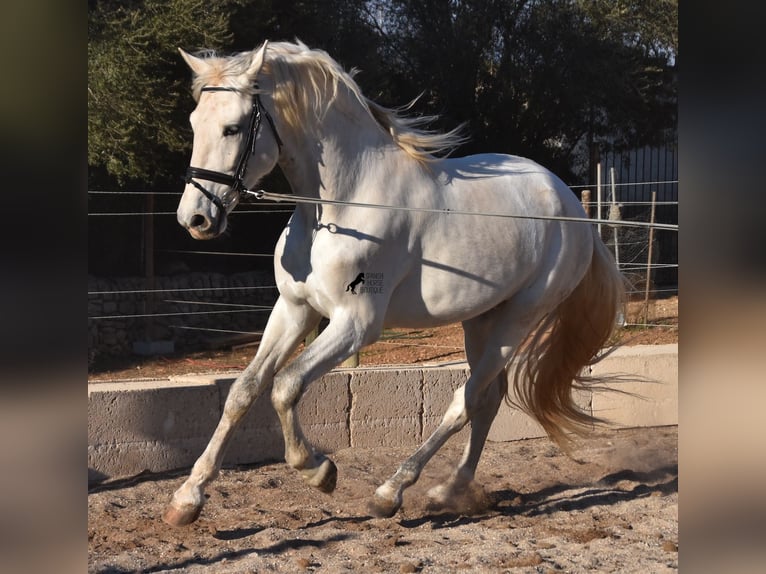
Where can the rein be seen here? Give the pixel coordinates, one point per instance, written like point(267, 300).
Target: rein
point(235, 181)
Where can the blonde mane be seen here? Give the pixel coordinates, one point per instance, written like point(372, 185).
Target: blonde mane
point(308, 82)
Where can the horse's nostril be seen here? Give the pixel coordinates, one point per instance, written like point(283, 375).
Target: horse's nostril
point(197, 220)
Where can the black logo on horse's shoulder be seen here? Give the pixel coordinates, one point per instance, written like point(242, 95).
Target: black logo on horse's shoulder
point(352, 286)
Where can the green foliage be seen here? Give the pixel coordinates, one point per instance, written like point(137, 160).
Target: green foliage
point(138, 94)
point(541, 78)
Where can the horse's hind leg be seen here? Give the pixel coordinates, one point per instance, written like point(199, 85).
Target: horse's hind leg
point(503, 330)
point(388, 497)
point(460, 492)
point(286, 328)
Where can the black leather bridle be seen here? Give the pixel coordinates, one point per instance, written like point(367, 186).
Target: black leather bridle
point(235, 181)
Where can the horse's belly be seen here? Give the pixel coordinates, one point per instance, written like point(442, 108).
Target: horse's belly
point(438, 297)
point(464, 271)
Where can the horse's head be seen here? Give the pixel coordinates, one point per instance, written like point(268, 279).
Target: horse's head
point(233, 146)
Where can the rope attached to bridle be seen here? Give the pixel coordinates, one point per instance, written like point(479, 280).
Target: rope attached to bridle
point(280, 197)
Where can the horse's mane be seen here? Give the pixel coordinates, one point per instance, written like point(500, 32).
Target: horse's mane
point(308, 82)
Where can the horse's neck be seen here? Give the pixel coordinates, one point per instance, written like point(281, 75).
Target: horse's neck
point(333, 163)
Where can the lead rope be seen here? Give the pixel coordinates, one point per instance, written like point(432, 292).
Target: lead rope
point(278, 197)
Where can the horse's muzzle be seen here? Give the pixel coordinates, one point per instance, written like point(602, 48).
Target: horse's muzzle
point(202, 226)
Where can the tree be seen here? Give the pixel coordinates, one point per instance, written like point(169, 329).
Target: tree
point(138, 87)
point(541, 78)
point(538, 78)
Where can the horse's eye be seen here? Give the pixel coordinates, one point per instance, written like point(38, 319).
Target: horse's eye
point(231, 130)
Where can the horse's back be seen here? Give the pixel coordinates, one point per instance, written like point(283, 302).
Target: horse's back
point(507, 180)
point(467, 264)
point(512, 197)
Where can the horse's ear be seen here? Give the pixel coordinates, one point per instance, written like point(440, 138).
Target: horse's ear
point(257, 61)
point(196, 64)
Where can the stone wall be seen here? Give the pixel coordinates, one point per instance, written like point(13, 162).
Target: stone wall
point(177, 312)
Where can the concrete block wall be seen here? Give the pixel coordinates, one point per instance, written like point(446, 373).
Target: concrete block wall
point(650, 401)
point(136, 426)
point(386, 407)
point(164, 425)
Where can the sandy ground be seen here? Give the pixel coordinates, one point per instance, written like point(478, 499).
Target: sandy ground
point(610, 507)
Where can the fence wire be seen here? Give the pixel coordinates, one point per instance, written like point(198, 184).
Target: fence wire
point(627, 238)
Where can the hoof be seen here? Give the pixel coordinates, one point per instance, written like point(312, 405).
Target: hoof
point(181, 516)
point(324, 477)
point(381, 507)
point(468, 499)
point(438, 497)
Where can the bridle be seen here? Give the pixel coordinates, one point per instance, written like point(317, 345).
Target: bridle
point(235, 181)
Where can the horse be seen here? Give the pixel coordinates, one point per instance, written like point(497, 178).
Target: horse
point(537, 294)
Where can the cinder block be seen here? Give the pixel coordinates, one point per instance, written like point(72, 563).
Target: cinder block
point(327, 400)
point(127, 421)
point(324, 412)
point(144, 412)
point(513, 424)
point(258, 438)
point(650, 401)
point(439, 386)
point(386, 408)
point(117, 460)
point(653, 401)
point(255, 443)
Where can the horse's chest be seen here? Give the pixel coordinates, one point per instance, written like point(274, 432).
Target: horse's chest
point(316, 279)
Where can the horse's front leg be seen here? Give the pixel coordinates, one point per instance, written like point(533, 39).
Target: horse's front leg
point(340, 339)
point(286, 328)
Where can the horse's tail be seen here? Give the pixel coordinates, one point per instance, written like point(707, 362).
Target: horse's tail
point(568, 339)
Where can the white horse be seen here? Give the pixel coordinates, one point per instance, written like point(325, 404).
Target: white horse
point(535, 291)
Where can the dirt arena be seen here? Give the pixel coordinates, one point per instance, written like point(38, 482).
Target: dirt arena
point(611, 507)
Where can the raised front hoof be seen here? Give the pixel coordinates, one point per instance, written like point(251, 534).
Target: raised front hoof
point(181, 516)
point(324, 477)
point(381, 507)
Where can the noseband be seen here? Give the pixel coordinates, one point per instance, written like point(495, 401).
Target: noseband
point(236, 181)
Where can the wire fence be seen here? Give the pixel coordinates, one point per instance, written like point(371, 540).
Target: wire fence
point(197, 307)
